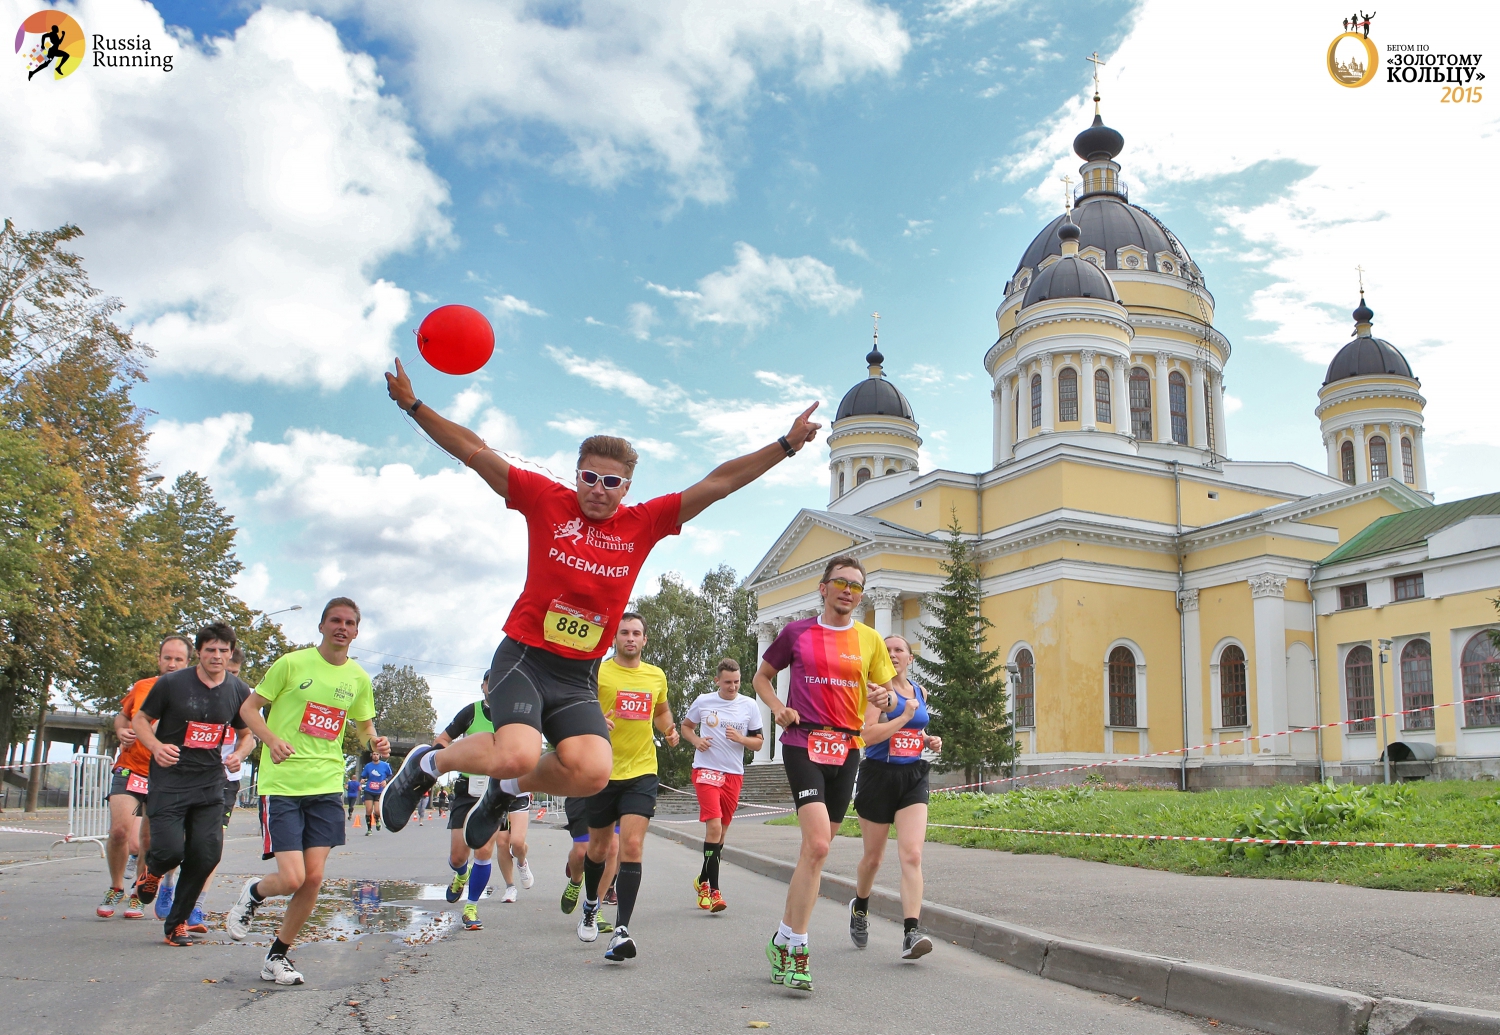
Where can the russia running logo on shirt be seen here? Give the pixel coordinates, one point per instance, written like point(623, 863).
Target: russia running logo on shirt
point(569, 530)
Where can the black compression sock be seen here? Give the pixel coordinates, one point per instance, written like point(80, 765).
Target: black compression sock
point(861, 905)
point(627, 886)
point(711, 863)
point(278, 948)
point(911, 924)
point(708, 854)
point(593, 873)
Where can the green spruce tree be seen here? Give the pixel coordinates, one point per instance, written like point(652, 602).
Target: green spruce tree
point(963, 678)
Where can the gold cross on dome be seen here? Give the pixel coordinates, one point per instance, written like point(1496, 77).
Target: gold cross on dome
point(1094, 57)
point(1361, 271)
point(876, 318)
point(1067, 192)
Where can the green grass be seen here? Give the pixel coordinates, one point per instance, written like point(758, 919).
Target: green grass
point(1452, 811)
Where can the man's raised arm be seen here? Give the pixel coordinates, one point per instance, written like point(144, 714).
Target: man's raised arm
point(456, 439)
point(741, 471)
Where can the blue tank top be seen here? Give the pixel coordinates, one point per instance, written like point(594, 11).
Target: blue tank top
point(882, 752)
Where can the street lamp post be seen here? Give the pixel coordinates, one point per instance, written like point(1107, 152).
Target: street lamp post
point(1385, 751)
point(284, 610)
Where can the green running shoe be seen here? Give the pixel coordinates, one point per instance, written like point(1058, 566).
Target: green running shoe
point(570, 895)
point(605, 927)
point(777, 955)
point(460, 881)
point(797, 974)
point(471, 917)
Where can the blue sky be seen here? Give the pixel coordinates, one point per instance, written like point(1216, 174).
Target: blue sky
point(679, 217)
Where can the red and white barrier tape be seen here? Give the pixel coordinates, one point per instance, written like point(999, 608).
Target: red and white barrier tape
point(1217, 743)
point(25, 830)
point(1218, 840)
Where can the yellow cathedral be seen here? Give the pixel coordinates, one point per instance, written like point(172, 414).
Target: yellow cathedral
point(1149, 592)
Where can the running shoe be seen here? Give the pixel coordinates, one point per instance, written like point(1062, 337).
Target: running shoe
point(112, 898)
point(237, 920)
point(179, 937)
point(588, 925)
point(705, 897)
point(698, 884)
point(570, 895)
point(402, 792)
point(797, 974)
point(859, 927)
point(488, 817)
point(777, 955)
point(368, 831)
point(134, 910)
point(510, 893)
point(280, 970)
point(195, 922)
point(460, 881)
point(164, 897)
point(621, 947)
point(146, 887)
point(605, 927)
point(471, 917)
point(523, 875)
point(610, 898)
point(915, 945)
point(716, 902)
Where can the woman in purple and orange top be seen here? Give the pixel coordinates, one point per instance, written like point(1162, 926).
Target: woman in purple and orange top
point(893, 789)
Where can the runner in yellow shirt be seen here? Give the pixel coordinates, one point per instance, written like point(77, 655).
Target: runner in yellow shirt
point(633, 696)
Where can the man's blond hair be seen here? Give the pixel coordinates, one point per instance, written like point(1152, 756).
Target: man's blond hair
point(608, 447)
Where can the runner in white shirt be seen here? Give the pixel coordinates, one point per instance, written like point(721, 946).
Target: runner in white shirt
point(721, 726)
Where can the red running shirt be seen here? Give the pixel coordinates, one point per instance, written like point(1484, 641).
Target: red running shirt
point(579, 572)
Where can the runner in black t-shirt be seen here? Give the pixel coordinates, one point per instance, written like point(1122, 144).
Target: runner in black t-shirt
point(194, 710)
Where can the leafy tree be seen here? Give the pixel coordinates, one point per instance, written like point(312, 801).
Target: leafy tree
point(962, 677)
point(403, 703)
point(688, 631)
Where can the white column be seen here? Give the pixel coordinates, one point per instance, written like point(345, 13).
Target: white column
point(1419, 458)
point(1021, 409)
point(833, 481)
point(884, 602)
point(1086, 391)
point(1221, 423)
point(764, 633)
point(1004, 419)
point(1268, 597)
point(1120, 405)
point(997, 428)
point(1198, 405)
point(879, 468)
point(1048, 394)
point(1192, 641)
point(1163, 400)
point(1331, 445)
point(1361, 458)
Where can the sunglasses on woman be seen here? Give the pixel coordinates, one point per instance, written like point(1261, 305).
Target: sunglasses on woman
point(611, 481)
point(842, 584)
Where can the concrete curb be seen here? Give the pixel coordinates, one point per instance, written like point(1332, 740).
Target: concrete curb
point(1270, 1004)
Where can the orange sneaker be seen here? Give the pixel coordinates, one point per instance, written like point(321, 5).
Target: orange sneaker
point(716, 903)
point(145, 888)
point(178, 936)
point(705, 897)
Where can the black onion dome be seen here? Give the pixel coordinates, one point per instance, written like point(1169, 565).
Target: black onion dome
point(1098, 143)
point(1069, 277)
point(1365, 356)
point(874, 396)
point(1107, 222)
point(1068, 231)
point(1364, 314)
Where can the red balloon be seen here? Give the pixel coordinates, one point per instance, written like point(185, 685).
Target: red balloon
point(456, 339)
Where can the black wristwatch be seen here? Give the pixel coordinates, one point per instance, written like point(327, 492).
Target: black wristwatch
point(415, 406)
point(784, 444)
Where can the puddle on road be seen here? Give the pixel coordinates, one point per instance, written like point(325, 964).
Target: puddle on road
point(349, 910)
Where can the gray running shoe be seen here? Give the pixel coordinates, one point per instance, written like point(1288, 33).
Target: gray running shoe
point(621, 946)
point(859, 927)
point(402, 792)
point(488, 817)
point(588, 926)
point(915, 945)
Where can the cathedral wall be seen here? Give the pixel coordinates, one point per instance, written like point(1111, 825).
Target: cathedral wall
point(1198, 509)
point(935, 514)
point(1226, 615)
point(1353, 519)
point(1387, 402)
point(1118, 556)
point(771, 598)
point(1265, 545)
point(819, 542)
point(1154, 294)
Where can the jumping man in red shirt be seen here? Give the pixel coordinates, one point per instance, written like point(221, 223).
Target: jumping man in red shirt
point(585, 553)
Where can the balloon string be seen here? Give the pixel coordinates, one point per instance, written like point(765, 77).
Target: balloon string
point(518, 461)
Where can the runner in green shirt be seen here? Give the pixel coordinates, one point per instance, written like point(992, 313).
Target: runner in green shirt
point(311, 693)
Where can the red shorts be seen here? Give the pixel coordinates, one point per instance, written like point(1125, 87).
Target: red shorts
point(717, 801)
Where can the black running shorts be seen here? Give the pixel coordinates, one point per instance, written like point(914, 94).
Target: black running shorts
point(828, 785)
point(557, 696)
point(295, 823)
point(885, 788)
point(576, 809)
point(633, 797)
point(119, 784)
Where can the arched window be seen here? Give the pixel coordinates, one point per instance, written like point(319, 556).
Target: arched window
point(1067, 395)
point(1208, 412)
point(1121, 687)
point(1346, 461)
point(1101, 397)
point(1024, 692)
point(861, 476)
point(890, 470)
point(1036, 400)
point(841, 483)
point(1359, 689)
point(1416, 684)
point(1481, 678)
point(1380, 466)
point(1408, 472)
point(1177, 399)
point(1140, 404)
point(1234, 700)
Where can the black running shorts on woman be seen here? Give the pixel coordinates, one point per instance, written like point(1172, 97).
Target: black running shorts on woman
point(555, 695)
point(885, 788)
point(830, 785)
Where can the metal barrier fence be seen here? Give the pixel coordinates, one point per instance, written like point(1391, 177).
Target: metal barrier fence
point(88, 801)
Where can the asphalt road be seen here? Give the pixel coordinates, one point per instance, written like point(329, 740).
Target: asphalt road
point(526, 971)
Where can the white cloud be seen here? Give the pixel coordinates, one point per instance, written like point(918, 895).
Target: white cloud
point(752, 292)
point(1233, 403)
point(641, 318)
point(241, 203)
point(510, 305)
point(629, 87)
point(467, 403)
point(176, 447)
point(851, 246)
point(917, 228)
point(967, 10)
point(1371, 203)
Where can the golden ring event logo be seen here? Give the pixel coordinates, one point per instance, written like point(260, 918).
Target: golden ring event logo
point(57, 42)
point(1353, 61)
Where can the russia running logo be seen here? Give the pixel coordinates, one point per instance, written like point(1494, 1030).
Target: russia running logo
point(56, 42)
